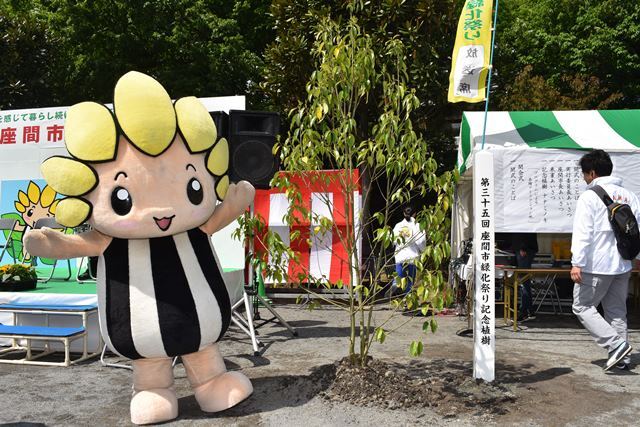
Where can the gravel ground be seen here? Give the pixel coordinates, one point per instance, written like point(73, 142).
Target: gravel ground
point(552, 367)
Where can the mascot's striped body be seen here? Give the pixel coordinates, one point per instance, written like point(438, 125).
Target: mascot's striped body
point(163, 296)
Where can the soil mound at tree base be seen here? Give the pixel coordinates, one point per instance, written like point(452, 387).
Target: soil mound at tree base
point(446, 386)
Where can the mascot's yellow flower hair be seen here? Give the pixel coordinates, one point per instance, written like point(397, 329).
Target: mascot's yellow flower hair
point(146, 117)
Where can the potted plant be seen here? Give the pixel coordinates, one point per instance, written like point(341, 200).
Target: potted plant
point(17, 277)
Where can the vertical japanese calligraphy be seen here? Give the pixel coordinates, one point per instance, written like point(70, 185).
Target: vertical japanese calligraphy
point(484, 249)
point(540, 192)
point(471, 52)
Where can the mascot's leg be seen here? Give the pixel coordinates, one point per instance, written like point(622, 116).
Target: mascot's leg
point(215, 388)
point(154, 399)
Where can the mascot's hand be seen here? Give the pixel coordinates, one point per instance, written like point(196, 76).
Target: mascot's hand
point(236, 201)
point(239, 196)
point(49, 243)
point(42, 242)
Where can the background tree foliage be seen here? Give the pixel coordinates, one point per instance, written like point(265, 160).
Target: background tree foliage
point(194, 47)
point(425, 27)
point(571, 46)
point(531, 92)
point(30, 53)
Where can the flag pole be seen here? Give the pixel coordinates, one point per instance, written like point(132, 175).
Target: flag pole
point(486, 103)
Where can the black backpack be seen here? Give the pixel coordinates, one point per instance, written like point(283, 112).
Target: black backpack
point(624, 225)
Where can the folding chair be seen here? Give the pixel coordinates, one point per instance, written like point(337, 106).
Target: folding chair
point(83, 228)
point(8, 224)
point(51, 223)
point(546, 289)
point(92, 277)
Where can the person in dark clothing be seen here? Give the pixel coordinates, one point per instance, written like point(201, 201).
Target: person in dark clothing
point(525, 246)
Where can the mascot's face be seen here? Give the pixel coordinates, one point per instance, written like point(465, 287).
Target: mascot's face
point(140, 196)
point(151, 168)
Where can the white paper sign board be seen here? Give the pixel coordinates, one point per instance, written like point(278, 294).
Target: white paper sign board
point(537, 190)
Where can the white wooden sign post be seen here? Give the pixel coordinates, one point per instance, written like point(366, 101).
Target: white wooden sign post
point(484, 346)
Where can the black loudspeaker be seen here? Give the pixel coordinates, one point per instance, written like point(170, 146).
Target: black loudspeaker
point(221, 120)
point(252, 135)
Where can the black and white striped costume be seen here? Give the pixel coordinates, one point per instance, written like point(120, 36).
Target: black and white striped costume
point(162, 296)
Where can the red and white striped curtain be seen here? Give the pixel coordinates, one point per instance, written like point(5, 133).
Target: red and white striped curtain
point(326, 258)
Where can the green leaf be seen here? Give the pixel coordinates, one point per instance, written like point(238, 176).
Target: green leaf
point(380, 335)
point(434, 325)
point(415, 349)
point(425, 325)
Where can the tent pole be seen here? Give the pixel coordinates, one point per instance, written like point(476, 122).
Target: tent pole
point(486, 103)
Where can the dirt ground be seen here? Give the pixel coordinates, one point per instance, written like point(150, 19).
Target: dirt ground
point(549, 373)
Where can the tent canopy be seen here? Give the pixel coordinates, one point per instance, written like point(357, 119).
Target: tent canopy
point(537, 176)
point(611, 130)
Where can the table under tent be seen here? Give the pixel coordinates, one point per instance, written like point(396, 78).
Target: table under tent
point(536, 173)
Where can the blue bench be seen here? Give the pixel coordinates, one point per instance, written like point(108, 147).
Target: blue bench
point(38, 331)
point(46, 307)
point(28, 333)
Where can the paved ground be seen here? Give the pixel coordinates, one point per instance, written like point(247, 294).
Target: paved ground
point(552, 366)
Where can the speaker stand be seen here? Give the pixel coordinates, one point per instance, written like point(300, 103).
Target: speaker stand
point(258, 299)
point(246, 325)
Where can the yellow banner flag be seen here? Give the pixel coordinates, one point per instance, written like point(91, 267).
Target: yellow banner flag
point(471, 53)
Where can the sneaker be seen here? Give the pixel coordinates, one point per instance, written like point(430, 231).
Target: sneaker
point(617, 355)
point(622, 366)
point(523, 316)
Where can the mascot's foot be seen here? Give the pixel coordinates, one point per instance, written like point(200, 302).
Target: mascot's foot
point(215, 388)
point(154, 399)
point(223, 392)
point(154, 406)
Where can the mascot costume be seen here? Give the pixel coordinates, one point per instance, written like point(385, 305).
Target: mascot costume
point(147, 178)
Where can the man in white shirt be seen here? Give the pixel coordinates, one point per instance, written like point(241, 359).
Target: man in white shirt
point(600, 274)
point(410, 241)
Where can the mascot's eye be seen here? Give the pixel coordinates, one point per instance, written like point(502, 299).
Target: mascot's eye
point(30, 212)
point(194, 191)
point(121, 201)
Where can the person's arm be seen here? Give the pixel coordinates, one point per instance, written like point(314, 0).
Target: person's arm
point(581, 238)
point(239, 197)
point(49, 243)
point(635, 207)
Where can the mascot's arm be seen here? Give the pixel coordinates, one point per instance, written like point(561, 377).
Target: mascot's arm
point(48, 243)
point(236, 201)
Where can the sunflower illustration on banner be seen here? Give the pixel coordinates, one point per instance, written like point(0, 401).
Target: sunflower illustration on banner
point(26, 202)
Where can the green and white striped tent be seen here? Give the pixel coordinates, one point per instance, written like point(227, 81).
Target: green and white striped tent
point(611, 130)
point(536, 173)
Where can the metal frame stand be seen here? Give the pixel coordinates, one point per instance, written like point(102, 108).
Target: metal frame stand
point(246, 325)
point(92, 277)
point(258, 300)
point(251, 290)
point(549, 289)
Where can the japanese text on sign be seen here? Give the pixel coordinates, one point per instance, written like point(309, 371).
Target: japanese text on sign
point(486, 277)
point(36, 126)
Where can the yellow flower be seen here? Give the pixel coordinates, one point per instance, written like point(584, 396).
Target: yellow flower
point(33, 196)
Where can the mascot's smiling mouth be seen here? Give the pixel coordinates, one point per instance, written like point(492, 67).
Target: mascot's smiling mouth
point(164, 223)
